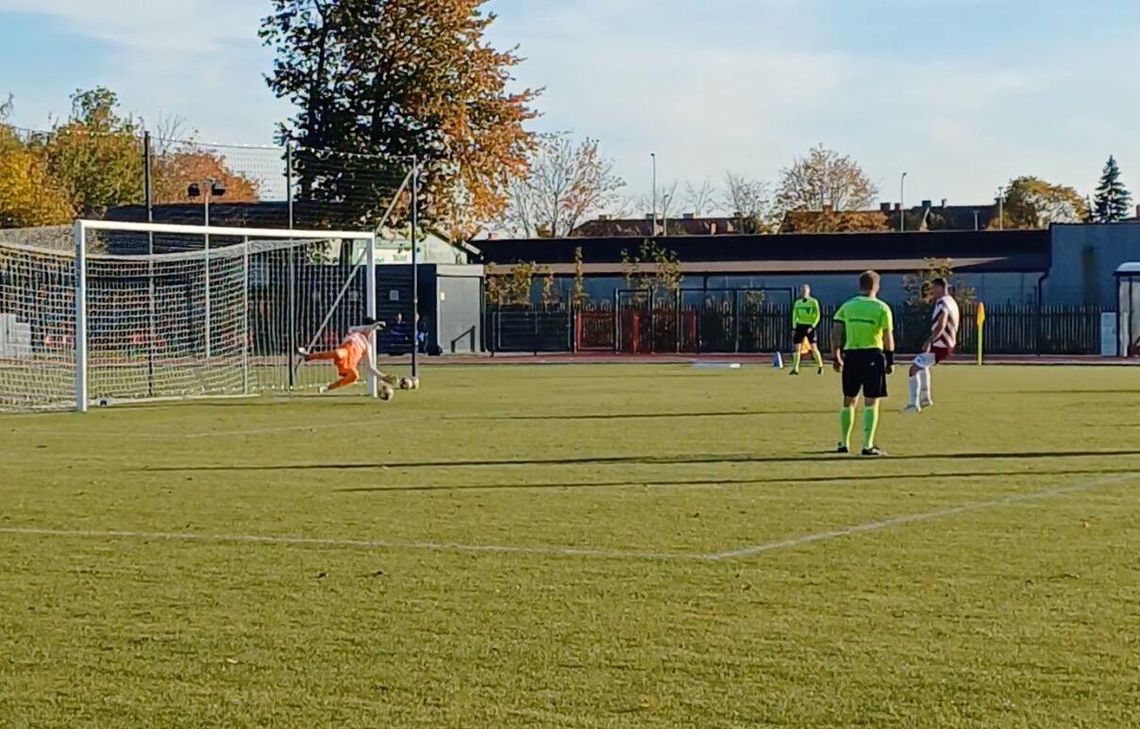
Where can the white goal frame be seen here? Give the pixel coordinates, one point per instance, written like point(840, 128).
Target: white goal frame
point(83, 227)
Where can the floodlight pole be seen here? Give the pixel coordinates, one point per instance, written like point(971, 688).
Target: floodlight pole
point(206, 192)
point(148, 195)
point(291, 270)
point(902, 203)
point(653, 156)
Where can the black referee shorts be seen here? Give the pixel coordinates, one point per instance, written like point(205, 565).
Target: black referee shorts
point(865, 370)
point(803, 332)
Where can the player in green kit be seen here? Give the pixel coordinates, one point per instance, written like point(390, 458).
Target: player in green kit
point(805, 319)
point(863, 345)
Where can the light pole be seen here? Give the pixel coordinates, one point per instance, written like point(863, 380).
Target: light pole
point(206, 190)
point(1001, 208)
point(653, 155)
point(902, 203)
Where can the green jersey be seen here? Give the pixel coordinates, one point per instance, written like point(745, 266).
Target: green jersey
point(805, 312)
point(865, 320)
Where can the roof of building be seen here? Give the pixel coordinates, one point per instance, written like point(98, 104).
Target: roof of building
point(975, 264)
point(1013, 250)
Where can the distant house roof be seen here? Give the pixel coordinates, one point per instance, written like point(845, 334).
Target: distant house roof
point(924, 217)
point(606, 227)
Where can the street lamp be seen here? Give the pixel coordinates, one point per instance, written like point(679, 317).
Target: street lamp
point(1001, 208)
point(902, 203)
point(653, 155)
point(207, 189)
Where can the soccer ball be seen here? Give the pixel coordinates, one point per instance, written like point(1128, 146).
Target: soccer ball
point(405, 383)
point(415, 383)
point(386, 391)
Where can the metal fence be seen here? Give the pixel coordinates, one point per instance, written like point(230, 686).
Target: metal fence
point(753, 321)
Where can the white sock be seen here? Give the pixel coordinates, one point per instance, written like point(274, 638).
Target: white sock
point(924, 385)
point(914, 388)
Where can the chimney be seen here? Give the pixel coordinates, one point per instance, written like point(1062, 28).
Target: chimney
point(604, 217)
point(738, 215)
point(926, 204)
point(1138, 212)
point(689, 216)
point(898, 207)
point(885, 208)
point(827, 207)
point(650, 216)
point(943, 203)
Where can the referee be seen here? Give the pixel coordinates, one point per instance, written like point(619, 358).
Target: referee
point(805, 319)
point(863, 345)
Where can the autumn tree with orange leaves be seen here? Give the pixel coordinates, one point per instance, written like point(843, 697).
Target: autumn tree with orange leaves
point(177, 169)
point(388, 80)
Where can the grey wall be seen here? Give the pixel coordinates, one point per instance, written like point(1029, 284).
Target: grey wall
point(1085, 257)
point(458, 325)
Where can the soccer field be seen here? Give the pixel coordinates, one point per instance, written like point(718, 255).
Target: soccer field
point(577, 546)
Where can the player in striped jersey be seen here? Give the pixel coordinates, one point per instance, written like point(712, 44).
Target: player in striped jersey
point(939, 346)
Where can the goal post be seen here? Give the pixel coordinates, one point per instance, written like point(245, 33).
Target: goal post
point(98, 319)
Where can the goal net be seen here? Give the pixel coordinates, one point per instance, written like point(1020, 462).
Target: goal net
point(114, 312)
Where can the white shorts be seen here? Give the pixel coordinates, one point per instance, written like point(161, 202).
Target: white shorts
point(926, 360)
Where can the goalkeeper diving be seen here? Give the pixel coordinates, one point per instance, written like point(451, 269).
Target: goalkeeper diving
point(355, 349)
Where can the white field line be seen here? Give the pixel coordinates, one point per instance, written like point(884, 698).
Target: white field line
point(561, 551)
point(553, 551)
point(1011, 500)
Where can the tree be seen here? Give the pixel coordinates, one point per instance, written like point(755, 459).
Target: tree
point(825, 178)
point(1031, 202)
point(567, 183)
point(96, 155)
point(750, 200)
point(29, 195)
point(387, 80)
point(1113, 202)
point(919, 288)
point(700, 198)
point(176, 170)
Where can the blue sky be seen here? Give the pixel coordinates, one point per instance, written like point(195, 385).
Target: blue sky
point(961, 94)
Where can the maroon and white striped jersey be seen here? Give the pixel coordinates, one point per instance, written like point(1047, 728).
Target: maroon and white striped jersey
point(949, 337)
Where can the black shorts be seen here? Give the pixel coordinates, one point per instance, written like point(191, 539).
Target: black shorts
point(865, 370)
point(803, 332)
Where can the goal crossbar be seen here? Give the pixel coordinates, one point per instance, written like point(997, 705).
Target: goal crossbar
point(220, 231)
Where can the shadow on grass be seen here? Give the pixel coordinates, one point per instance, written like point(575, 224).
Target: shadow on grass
point(678, 460)
point(1064, 392)
point(644, 416)
point(855, 478)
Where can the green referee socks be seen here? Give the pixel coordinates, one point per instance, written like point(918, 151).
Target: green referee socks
point(870, 425)
point(846, 424)
point(818, 359)
point(796, 360)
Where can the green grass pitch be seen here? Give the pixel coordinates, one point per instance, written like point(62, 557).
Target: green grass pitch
point(577, 546)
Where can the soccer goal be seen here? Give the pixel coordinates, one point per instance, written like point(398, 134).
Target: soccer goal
point(119, 312)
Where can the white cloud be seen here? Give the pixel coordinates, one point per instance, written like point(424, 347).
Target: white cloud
point(725, 84)
point(200, 61)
